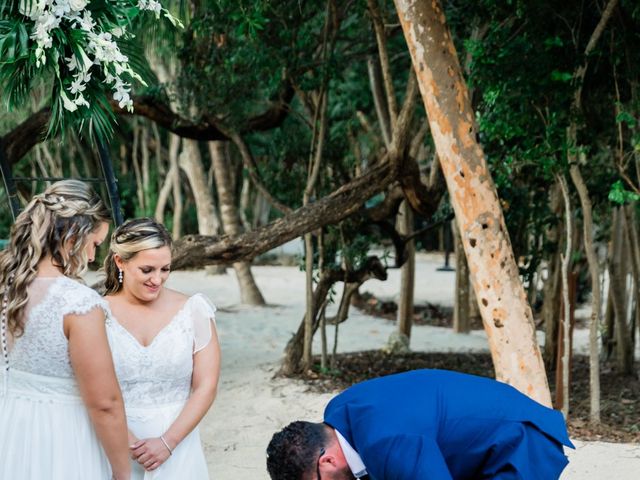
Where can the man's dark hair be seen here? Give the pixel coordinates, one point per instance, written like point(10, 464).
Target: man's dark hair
point(295, 449)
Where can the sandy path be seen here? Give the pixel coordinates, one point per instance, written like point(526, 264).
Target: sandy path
point(251, 405)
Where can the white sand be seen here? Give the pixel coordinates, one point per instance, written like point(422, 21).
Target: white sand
point(251, 405)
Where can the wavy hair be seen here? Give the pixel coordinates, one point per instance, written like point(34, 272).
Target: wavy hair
point(56, 223)
point(127, 240)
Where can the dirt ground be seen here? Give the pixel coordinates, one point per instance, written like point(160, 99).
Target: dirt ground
point(620, 400)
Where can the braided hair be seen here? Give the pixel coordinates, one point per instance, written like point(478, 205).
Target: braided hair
point(54, 223)
point(127, 240)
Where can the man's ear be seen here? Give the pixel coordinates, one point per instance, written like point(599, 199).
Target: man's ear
point(330, 460)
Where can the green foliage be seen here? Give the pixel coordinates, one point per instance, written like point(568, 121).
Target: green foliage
point(75, 54)
point(619, 195)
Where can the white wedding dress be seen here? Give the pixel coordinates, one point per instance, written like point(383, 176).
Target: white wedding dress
point(156, 383)
point(45, 430)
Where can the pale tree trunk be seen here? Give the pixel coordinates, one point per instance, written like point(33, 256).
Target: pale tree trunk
point(167, 186)
point(261, 210)
point(312, 177)
point(144, 150)
point(191, 163)
point(407, 273)
point(461, 306)
point(245, 198)
point(596, 301)
point(379, 101)
point(505, 312)
point(178, 204)
point(249, 292)
point(137, 170)
point(585, 203)
point(208, 219)
point(566, 302)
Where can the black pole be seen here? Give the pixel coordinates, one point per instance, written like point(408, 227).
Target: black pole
point(9, 184)
point(111, 181)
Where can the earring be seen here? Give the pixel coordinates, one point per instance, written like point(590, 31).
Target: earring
point(120, 276)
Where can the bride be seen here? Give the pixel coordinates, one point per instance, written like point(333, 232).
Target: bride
point(166, 354)
point(60, 406)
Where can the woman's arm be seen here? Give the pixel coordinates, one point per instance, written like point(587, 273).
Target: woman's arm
point(152, 452)
point(93, 367)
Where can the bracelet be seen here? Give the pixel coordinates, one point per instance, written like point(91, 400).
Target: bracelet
point(166, 445)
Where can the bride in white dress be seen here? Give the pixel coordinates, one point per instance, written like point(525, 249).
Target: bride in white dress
point(166, 354)
point(60, 406)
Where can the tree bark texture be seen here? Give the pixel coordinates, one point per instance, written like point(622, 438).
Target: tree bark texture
point(505, 311)
point(407, 272)
point(231, 223)
point(191, 163)
point(461, 306)
point(198, 250)
point(565, 330)
point(618, 279)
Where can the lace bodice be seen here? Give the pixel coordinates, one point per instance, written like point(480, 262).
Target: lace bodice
point(160, 373)
point(43, 348)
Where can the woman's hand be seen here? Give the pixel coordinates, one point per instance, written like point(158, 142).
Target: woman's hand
point(132, 441)
point(150, 453)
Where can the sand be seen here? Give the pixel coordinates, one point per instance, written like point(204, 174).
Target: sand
point(251, 404)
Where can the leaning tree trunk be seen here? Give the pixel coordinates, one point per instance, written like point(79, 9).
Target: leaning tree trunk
point(505, 311)
point(208, 219)
point(232, 225)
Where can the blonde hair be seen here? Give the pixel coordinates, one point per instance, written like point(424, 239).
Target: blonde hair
point(64, 214)
point(127, 240)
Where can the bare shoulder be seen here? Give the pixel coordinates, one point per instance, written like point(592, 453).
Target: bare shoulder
point(173, 297)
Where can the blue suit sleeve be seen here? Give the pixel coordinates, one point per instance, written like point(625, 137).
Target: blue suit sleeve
point(405, 457)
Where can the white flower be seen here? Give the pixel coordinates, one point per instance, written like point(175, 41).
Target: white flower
point(72, 63)
point(87, 23)
point(60, 8)
point(32, 8)
point(121, 95)
point(77, 86)
point(66, 103)
point(80, 101)
point(78, 5)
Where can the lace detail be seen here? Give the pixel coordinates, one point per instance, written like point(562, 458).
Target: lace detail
point(160, 373)
point(43, 348)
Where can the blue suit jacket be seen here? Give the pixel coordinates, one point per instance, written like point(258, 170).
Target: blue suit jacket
point(439, 425)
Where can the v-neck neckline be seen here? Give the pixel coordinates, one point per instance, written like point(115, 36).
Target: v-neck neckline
point(165, 327)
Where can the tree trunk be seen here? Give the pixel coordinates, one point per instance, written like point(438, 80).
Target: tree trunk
point(562, 378)
point(634, 247)
point(407, 274)
point(551, 309)
point(462, 302)
point(585, 202)
point(249, 292)
point(208, 219)
point(167, 186)
point(506, 314)
point(618, 279)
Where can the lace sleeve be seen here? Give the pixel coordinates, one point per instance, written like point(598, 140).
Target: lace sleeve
point(80, 299)
point(203, 316)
